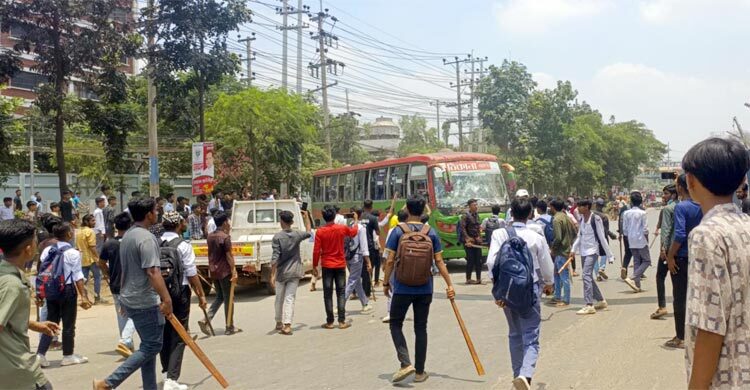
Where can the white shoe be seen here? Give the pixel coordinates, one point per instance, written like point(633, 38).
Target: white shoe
point(586, 310)
point(521, 383)
point(386, 319)
point(601, 305)
point(73, 359)
point(43, 363)
point(170, 384)
point(632, 285)
point(367, 308)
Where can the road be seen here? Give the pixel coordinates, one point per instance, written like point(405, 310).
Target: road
point(620, 348)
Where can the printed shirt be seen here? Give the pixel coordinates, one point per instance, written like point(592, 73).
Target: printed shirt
point(687, 215)
point(718, 296)
point(587, 244)
point(394, 236)
point(635, 227)
point(86, 244)
point(470, 225)
point(195, 227)
point(540, 253)
point(328, 250)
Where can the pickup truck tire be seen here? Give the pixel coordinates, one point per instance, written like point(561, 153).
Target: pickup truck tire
point(265, 276)
point(270, 288)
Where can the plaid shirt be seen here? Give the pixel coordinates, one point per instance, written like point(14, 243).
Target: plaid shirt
point(195, 227)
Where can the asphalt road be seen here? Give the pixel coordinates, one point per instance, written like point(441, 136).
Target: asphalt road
point(620, 348)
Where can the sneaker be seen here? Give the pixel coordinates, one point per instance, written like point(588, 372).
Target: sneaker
point(231, 331)
point(123, 350)
point(97, 299)
point(586, 310)
point(521, 383)
point(419, 378)
point(43, 363)
point(386, 319)
point(659, 313)
point(73, 359)
point(403, 373)
point(623, 273)
point(367, 308)
point(170, 384)
point(602, 274)
point(601, 305)
point(562, 304)
point(632, 285)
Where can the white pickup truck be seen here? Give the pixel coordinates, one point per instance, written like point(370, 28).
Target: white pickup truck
point(254, 222)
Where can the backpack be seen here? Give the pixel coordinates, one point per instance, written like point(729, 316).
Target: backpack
point(414, 256)
point(351, 247)
point(50, 282)
point(592, 221)
point(493, 223)
point(459, 232)
point(549, 231)
point(513, 281)
point(170, 262)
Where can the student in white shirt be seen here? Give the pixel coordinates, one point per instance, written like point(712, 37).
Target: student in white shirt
point(99, 227)
point(635, 227)
point(591, 239)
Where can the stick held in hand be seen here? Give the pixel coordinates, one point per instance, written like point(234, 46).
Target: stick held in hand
point(197, 351)
point(467, 338)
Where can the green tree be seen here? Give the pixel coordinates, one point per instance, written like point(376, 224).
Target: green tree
point(416, 138)
point(11, 132)
point(345, 136)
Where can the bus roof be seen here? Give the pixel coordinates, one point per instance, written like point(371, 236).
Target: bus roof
point(428, 159)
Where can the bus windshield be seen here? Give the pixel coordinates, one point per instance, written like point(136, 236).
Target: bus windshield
point(457, 182)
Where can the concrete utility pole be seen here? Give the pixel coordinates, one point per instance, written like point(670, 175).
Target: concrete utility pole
point(285, 11)
point(457, 62)
point(475, 135)
point(249, 57)
point(437, 111)
point(284, 56)
point(31, 155)
point(153, 140)
point(346, 91)
point(300, 10)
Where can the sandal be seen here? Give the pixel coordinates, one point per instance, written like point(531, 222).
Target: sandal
point(675, 343)
point(286, 332)
point(344, 325)
point(659, 313)
point(327, 326)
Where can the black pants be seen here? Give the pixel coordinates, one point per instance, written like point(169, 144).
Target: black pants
point(421, 307)
point(661, 276)
point(172, 347)
point(222, 287)
point(628, 254)
point(337, 275)
point(375, 260)
point(64, 310)
point(473, 262)
point(366, 282)
point(679, 295)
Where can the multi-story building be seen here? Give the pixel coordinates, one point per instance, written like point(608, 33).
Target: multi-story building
point(383, 139)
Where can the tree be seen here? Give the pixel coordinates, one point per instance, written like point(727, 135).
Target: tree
point(193, 39)
point(11, 130)
point(270, 127)
point(62, 49)
point(416, 138)
point(345, 136)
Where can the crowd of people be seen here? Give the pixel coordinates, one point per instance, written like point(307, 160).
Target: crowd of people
point(145, 259)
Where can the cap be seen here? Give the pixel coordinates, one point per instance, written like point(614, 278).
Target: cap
point(522, 193)
point(172, 217)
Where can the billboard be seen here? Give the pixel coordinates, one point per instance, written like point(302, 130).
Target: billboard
point(203, 168)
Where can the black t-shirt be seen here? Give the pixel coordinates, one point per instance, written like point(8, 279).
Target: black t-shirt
point(111, 254)
point(66, 210)
point(372, 227)
point(746, 205)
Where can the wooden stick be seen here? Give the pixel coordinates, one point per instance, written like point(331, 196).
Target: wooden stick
point(230, 320)
point(467, 338)
point(197, 351)
point(210, 285)
point(564, 266)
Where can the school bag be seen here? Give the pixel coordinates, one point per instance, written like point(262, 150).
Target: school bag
point(513, 280)
point(50, 282)
point(549, 232)
point(493, 223)
point(414, 256)
point(170, 263)
point(351, 247)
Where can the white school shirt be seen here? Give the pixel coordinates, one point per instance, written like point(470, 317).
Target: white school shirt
point(99, 219)
point(210, 226)
point(586, 244)
point(537, 245)
point(635, 227)
point(71, 262)
point(186, 255)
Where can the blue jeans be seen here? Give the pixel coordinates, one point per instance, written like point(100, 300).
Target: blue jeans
point(523, 338)
point(124, 324)
point(562, 280)
point(601, 264)
point(149, 323)
point(97, 277)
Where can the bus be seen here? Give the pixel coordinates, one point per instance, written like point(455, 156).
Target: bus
point(446, 179)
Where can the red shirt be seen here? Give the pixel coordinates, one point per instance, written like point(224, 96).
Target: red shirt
point(329, 245)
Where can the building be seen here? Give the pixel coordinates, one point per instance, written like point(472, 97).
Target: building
point(383, 138)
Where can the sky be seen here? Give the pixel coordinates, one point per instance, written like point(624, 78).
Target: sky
point(676, 65)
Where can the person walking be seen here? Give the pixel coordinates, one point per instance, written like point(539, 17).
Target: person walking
point(287, 268)
point(719, 268)
point(524, 325)
point(109, 261)
point(328, 252)
point(172, 346)
point(63, 307)
point(100, 229)
point(492, 223)
point(590, 242)
point(666, 233)
point(109, 214)
point(19, 368)
point(419, 297)
point(687, 215)
point(628, 256)
point(564, 234)
point(223, 271)
point(635, 226)
point(357, 256)
point(601, 265)
point(143, 294)
point(472, 237)
point(67, 211)
point(86, 243)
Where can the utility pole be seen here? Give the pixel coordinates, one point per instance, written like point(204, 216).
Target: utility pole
point(346, 91)
point(437, 111)
point(285, 11)
point(284, 57)
point(300, 10)
point(250, 57)
point(457, 62)
point(476, 136)
point(153, 140)
point(31, 155)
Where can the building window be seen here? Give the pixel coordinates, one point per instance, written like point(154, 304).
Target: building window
point(84, 92)
point(27, 80)
point(18, 30)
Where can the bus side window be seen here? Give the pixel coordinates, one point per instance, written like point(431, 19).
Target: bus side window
point(348, 183)
point(317, 190)
point(360, 180)
point(331, 190)
point(398, 176)
point(378, 183)
point(418, 181)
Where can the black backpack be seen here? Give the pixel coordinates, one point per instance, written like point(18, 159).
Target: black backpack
point(493, 223)
point(170, 262)
point(351, 245)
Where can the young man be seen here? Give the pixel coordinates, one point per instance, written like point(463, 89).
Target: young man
point(169, 203)
point(666, 232)
point(402, 216)
point(76, 199)
point(286, 269)
point(64, 309)
point(215, 202)
point(492, 223)
point(106, 193)
point(743, 198)
point(18, 367)
point(195, 223)
point(100, 228)
point(719, 268)
point(109, 214)
point(601, 265)
point(144, 296)
point(87, 245)
point(635, 227)
point(31, 212)
point(67, 211)
point(470, 231)
point(419, 297)
point(591, 240)
point(356, 260)
point(6, 210)
point(687, 216)
point(39, 202)
point(523, 327)
point(564, 235)
point(17, 201)
point(110, 263)
point(172, 346)
point(328, 252)
point(223, 272)
point(628, 256)
point(54, 209)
